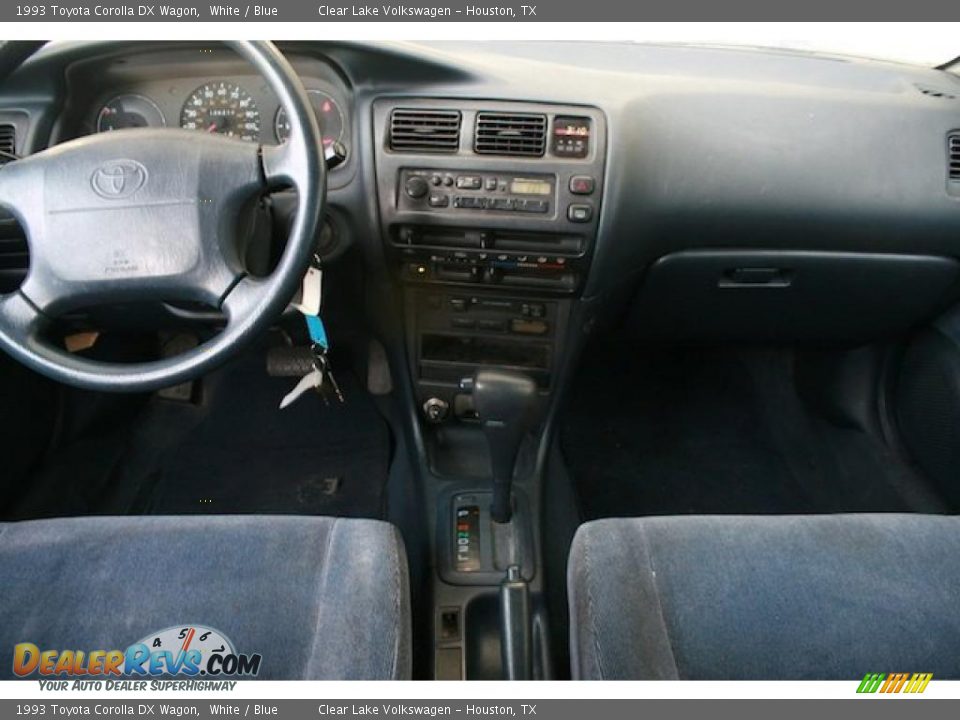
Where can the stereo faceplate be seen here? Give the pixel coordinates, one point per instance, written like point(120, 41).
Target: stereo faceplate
point(440, 191)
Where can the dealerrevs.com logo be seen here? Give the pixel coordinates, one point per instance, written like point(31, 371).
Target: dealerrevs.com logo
point(182, 650)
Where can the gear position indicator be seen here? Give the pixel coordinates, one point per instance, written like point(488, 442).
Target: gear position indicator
point(467, 537)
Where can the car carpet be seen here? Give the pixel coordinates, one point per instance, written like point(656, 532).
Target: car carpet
point(701, 432)
point(233, 452)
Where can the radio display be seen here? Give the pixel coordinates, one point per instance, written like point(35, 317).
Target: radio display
point(525, 186)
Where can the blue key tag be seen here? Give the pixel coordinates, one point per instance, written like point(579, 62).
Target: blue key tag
point(308, 302)
point(318, 333)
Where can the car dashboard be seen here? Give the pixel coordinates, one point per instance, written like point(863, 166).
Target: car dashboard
point(515, 194)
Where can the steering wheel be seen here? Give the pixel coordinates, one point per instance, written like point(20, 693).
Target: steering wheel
point(151, 214)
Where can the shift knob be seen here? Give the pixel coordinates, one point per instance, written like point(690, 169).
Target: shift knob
point(506, 404)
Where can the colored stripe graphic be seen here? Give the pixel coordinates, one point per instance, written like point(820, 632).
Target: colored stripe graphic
point(918, 683)
point(871, 682)
point(894, 683)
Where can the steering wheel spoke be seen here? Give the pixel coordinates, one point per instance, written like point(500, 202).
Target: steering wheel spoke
point(276, 164)
point(243, 299)
point(20, 320)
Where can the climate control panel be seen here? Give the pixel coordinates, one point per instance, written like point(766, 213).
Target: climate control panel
point(551, 262)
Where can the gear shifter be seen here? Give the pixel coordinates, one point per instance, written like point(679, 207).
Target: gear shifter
point(506, 404)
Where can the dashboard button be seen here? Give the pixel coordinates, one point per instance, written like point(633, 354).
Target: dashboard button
point(532, 206)
point(439, 201)
point(523, 326)
point(533, 310)
point(580, 213)
point(469, 182)
point(467, 202)
point(582, 185)
point(492, 325)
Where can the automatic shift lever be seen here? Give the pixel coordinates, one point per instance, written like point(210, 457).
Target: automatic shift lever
point(506, 405)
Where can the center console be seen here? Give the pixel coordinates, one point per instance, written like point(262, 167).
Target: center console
point(489, 212)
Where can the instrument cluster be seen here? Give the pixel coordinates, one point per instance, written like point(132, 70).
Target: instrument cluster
point(245, 110)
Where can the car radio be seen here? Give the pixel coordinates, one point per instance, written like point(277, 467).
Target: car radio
point(425, 189)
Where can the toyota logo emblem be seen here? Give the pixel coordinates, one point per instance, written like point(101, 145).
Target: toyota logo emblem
point(118, 179)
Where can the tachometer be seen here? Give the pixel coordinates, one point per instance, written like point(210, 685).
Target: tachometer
point(129, 111)
point(329, 116)
point(224, 108)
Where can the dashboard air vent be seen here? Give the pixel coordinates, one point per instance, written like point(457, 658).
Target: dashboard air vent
point(8, 142)
point(427, 131)
point(14, 259)
point(953, 156)
point(511, 134)
point(936, 92)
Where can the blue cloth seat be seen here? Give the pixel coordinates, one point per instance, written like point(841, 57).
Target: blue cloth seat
point(316, 597)
point(772, 597)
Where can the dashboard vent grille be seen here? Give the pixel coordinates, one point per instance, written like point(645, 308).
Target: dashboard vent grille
point(511, 134)
point(936, 92)
point(14, 258)
point(428, 131)
point(8, 142)
point(953, 156)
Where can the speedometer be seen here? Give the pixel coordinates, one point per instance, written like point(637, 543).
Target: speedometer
point(224, 108)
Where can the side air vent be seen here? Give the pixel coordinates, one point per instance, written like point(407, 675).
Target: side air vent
point(511, 134)
point(953, 156)
point(8, 142)
point(936, 92)
point(14, 260)
point(14, 254)
point(426, 131)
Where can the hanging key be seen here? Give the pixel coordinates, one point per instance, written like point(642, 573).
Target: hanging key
point(322, 364)
point(313, 380)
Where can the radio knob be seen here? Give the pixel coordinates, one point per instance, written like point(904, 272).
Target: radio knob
point(417, 187)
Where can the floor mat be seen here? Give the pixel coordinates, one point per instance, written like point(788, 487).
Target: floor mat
point(683, 432)
point(249, 456)
point(235, 452)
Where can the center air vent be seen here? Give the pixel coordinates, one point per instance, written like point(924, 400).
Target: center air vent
point(8, 142)
point(511, 134)
point(426, 131)
point(953, 156)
